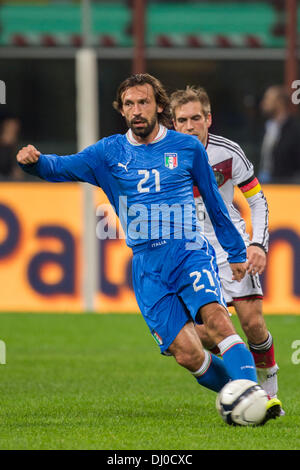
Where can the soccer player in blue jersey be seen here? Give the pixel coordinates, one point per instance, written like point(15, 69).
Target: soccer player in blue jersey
point(148, 175)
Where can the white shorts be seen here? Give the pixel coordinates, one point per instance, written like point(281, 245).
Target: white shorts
point(249, 287)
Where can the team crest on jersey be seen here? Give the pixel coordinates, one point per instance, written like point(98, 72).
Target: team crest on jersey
point(219, 177)
point(223, 171)
point(171, 160)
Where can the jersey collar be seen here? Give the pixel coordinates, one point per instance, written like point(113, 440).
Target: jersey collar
point(162, 132)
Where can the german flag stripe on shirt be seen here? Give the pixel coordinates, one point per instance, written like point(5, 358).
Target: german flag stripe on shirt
point(250, 187)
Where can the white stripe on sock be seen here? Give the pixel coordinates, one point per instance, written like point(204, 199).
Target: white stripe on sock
point(263, 347)
point(205, 365)
point(228, 342)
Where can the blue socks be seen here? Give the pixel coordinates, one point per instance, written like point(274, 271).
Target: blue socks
point(238, 360)
point(212, 373)
point(237, 363)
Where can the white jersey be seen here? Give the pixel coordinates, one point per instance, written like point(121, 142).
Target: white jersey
point(232, 168)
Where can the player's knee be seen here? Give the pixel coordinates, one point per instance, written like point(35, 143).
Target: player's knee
point(218, 321)
point(254, 327)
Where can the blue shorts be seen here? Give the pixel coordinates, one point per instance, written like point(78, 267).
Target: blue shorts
point(171, 283)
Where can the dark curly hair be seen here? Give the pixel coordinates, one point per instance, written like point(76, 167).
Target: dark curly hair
point(160, 94)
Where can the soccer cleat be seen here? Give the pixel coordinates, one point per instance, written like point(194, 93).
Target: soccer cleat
point(282, 412)
point(273, 410)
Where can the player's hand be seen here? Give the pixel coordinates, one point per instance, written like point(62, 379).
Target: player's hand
point(257, 260)
point(238, 271)
point(28, 154)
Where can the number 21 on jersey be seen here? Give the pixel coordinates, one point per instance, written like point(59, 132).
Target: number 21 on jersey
point(143, 185)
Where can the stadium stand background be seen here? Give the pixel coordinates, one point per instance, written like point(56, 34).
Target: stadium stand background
point(36, 83)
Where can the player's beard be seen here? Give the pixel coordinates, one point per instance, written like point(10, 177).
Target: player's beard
point(143, 131)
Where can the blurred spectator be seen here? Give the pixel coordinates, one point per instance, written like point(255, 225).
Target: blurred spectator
point(280, 151)
point(9, 138)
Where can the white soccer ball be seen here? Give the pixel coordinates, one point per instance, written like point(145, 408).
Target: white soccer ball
point(242, 402)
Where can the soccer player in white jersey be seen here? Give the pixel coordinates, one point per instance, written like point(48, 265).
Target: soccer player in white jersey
point(191, 113)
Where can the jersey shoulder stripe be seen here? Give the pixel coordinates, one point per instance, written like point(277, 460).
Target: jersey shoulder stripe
point(230, 145)
point(221, 139)
point(249, 180)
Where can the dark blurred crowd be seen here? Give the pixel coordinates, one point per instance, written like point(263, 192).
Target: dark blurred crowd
point(280, 148)
point(10, 127)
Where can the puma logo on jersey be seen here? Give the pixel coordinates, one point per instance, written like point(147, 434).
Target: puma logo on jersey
point(123, 166)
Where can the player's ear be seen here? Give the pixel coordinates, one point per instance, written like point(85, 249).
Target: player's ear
point(160, 109)
point(174, 124)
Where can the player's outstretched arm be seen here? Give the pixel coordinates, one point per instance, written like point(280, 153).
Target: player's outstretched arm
point(81, 166)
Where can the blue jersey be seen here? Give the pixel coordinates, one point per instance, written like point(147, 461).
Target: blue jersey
point(147, 184)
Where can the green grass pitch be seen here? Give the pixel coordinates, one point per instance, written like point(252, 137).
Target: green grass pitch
point(99, 382)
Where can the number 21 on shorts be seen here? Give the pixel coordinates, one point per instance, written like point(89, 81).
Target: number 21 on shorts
point(197, 275)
